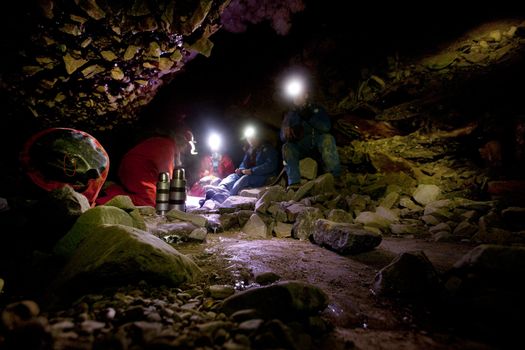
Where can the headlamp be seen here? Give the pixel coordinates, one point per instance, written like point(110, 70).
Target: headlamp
point(249, 132)
point(294, 87)
point(214, 141)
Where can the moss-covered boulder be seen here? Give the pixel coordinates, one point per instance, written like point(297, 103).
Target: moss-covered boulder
point(114, 255)
point(87, 224)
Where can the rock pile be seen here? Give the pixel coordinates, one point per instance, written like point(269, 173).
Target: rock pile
point(192, 316)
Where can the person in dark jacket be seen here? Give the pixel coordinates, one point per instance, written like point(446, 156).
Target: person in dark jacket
point(260, 162)
point(305, 130)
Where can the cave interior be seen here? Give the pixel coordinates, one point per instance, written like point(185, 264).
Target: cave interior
point(419, 243)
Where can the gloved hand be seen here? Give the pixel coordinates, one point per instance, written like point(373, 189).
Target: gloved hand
point(294, 133)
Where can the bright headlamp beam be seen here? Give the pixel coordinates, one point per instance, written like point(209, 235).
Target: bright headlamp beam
point(294, 87)
point(214, 141)
point(249, 131)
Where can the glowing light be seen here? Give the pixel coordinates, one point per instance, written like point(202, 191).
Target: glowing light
point(249, 131)
point(214, 141)
point(294, 87)
point(192, 142)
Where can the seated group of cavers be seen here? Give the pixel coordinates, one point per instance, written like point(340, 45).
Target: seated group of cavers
point(58, 156)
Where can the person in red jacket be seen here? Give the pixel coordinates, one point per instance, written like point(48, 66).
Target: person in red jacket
point(140, 167)
point(213, 168)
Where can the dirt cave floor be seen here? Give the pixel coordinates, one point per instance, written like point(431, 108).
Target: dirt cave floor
point(361, 319)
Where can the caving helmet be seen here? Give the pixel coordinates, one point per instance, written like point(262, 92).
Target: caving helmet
point(56, 157)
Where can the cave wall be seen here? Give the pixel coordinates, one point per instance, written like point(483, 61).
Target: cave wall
point(93, 64)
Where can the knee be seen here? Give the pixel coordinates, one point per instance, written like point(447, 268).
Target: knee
point(228, 179)
point(243, 180)
point(289, 151)
point(326, 140)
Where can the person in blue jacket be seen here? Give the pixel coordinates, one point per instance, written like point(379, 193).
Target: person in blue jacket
point(260, 162)
point(305, 130)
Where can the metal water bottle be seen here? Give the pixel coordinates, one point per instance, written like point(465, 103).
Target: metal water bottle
point(178, 190)
point(163, 193)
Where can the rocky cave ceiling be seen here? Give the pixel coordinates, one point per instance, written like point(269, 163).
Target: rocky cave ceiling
point(96, 64)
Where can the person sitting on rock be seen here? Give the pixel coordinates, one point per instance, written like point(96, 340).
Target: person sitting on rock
point(260, 162)
point(213, 167)
point(304, 131)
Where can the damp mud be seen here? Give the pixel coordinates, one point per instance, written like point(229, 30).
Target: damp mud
point(361, 319)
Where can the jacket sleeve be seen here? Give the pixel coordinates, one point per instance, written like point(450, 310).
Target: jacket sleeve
point(266, 161)
point(320, 119)
point(291, 119)
point(244, 161)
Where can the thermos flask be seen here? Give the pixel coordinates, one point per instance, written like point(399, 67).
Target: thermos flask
point(178, 190)
point(163, 193)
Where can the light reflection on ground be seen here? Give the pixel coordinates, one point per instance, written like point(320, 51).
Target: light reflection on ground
point(233, 258)
point(193, 202)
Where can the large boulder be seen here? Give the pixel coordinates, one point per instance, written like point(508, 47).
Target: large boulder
point(410, 274)
point(344, 238)
point(87, 224)
point(492, 262)
point(281, 300)
point(114, 255)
